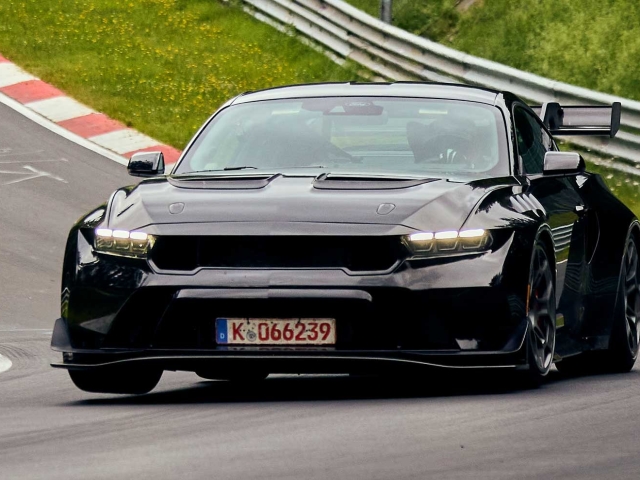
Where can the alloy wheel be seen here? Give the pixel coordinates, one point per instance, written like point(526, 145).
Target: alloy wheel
point(542, 311)
point(632, 296)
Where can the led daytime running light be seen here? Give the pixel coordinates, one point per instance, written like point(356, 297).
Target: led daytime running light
point(448, 235)
point(421, 237)
point(104, 232)
point(123, 242)
point(120, 234)
point(478, 232)
point(448, 242)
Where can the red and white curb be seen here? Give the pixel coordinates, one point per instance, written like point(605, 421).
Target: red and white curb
point(77, 122)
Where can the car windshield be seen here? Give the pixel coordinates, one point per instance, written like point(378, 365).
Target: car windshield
point(362, 135)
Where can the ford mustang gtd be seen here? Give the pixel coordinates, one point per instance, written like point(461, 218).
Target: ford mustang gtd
point(357, 228)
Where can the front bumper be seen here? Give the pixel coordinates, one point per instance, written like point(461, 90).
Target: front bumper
point(447, 313)
point(292, 360)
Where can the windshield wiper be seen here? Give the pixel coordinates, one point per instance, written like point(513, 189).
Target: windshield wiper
point(299, 166)
point(244, 167)
point(249, 167)
point(225, 169)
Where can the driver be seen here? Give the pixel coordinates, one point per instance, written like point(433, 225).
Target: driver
point(445, 140)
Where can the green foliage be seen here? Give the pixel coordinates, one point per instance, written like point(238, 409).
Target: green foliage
point(161, 66)
point(626, 187)
point(428, 18)
point(372, 7)
point(590, 43)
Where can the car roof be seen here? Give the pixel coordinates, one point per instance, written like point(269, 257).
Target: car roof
point(449, 91)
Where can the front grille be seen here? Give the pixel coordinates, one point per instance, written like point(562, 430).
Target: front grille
point(356, 254)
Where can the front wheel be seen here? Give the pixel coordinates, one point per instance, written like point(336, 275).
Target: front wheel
point(132, 381)
point(541, 313)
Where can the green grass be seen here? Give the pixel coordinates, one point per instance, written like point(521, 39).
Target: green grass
point(160, 66)
point(590, 43)
point(626, 187)
point(372, 7)
point(435, 19)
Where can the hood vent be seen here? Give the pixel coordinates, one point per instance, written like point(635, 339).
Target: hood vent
point(366, 182)
point(222, 182)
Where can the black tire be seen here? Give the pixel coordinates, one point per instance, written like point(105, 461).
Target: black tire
point(124, 381)
point(622, 352)
point(240, 376)
point(625, 334)
point(541, 335)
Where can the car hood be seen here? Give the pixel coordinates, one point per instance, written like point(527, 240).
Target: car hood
point(277, 204)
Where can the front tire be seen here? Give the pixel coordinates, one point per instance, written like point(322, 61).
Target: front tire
point(541, 312)
point(129, 381)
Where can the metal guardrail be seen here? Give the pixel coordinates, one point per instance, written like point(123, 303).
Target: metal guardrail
point(395, 54)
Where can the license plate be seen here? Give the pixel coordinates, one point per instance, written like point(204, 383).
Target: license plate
point(276, 331)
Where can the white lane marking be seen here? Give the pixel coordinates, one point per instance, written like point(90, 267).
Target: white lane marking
point(7, 152)
point(60, 108)
point(10, 74)
point(7, 172)
point(35, 173)
point(7, 162)
point(46, 330)
point(58, 130)
point(123, 141)
point(40, 173)
point(5, 364)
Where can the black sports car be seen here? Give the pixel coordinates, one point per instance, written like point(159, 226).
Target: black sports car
point(357, 228)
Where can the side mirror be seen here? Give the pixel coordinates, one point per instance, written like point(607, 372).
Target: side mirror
point(563, 162)
point(146, 164)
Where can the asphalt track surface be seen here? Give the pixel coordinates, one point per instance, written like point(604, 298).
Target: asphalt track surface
point(473, 426)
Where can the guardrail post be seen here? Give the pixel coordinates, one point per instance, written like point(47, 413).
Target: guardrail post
point(385, 10)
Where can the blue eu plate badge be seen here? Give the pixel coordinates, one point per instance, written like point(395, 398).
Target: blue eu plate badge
point(222, 335)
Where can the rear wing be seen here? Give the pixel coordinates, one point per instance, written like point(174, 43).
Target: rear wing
point(574, 120)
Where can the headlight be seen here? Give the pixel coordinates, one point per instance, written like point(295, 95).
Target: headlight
point(123, 242)
point(426, 244)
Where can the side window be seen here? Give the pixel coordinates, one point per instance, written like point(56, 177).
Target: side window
point(548, 142)
point(533, 141)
